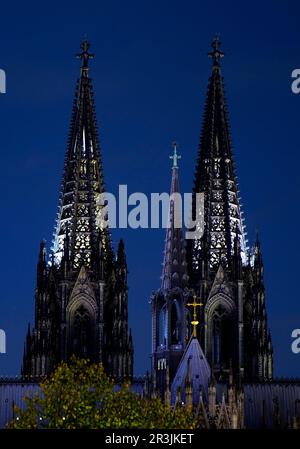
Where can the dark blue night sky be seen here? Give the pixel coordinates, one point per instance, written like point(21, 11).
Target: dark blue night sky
point(150, 76)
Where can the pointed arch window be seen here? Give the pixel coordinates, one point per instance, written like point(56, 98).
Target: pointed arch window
point(162, 322)
point(175, 324)
point(222, 337)
point(82, 333)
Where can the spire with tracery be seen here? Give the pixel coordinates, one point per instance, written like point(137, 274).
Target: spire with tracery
point(231, 289)
point(81, 300)
point(83, 177)
point(215, 176)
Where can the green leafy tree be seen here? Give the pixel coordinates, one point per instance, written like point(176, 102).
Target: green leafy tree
point(80, 395)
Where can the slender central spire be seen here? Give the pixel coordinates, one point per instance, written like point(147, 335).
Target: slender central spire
point(174, 265)
point(85, 56)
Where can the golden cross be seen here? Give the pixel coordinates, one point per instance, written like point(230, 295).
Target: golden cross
point(195, 323)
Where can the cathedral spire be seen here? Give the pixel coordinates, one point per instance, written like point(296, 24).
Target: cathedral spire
point(171, 327)
point(174, 265)
point(81, 299)
point(215, 177)
point(83, 179)
point(218, 261)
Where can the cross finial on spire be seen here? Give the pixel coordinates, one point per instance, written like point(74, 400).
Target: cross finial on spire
point(195, 304)
point(175, 156)
point(85, 56)
point(216, 54)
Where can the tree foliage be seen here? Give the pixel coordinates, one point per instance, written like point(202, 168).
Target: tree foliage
point(80, 395)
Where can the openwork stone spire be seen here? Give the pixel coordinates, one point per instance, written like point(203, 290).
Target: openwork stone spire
point(83, 179)
point(215, 176)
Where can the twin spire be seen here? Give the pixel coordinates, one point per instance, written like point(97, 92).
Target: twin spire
point(83, 176)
